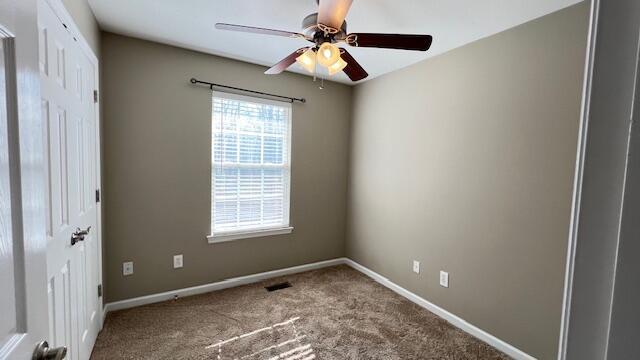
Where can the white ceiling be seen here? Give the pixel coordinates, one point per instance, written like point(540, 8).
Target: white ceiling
point(190, 24)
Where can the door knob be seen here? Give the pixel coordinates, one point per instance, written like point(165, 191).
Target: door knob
point(83, 232)
point(76, 237)
point(44, 352)
point(79, 235)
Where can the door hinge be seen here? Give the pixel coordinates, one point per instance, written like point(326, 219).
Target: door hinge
point(95, 96)
point(100, 290)
point(98, 195)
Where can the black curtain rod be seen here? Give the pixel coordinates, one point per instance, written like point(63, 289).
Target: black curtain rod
point(212, 85)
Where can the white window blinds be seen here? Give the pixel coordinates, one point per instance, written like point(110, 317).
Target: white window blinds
point(250, 164)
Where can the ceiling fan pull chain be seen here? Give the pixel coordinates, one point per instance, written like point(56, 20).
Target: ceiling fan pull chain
point(315, 71)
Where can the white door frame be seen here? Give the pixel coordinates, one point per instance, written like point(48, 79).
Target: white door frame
point(601, 180)
point(67, 19)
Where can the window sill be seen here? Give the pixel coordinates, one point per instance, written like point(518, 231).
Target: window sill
point(213, 239)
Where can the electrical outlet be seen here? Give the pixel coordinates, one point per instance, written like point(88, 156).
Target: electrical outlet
point(177, 261)
point(127, 268)
point(444, 279)
point(416, 266)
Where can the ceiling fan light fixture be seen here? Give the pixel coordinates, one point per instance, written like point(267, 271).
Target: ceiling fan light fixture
point(307, 60)
point(328, 54)
point(325, 28)
point(337, 66)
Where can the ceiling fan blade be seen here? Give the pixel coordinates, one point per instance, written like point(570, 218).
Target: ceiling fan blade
point(354, 71)
point(285, 63)
point(257, 30)
point(333, 12)
point(390, 41)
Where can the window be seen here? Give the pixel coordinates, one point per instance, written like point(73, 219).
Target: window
point(250, 167)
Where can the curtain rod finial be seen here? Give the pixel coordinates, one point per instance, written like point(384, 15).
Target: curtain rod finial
point(193, 80)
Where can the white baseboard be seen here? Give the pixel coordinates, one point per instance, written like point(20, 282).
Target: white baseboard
point(249, 279)
point(451, 318)
point(224, 284)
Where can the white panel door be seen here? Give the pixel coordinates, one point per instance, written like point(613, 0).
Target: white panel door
point(23, 304)
point(69, 112)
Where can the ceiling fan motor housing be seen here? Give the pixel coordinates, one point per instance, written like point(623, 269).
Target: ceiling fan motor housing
point(312, 30)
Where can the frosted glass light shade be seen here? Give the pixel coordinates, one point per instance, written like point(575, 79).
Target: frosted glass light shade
point(307, 60)
point(328, 54)
point(337, 66)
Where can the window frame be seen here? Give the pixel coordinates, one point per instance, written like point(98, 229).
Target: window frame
point(224, 236)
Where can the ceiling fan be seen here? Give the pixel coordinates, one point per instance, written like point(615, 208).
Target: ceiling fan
point(326, 28)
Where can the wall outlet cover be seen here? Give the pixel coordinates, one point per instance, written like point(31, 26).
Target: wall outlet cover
point(416, 266)
point(444, 279)
point(127, 268)
point(177, 261)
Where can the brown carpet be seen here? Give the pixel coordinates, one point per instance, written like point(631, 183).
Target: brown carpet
point(332, 313)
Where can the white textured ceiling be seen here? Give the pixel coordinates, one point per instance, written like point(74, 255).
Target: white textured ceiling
point(190, 24)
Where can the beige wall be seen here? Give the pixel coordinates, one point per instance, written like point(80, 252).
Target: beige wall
point(157, 150)
point(465, 162)
point(86, 22)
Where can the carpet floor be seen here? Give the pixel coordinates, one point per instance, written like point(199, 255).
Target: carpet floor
point(331, 313)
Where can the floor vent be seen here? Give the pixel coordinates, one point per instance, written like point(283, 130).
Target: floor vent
point(278, 286)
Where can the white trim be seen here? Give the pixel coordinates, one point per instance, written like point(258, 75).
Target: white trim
point(577, 181)
point(224, 284)
point(219, 238)
point(243, 280)
point(262, 230)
